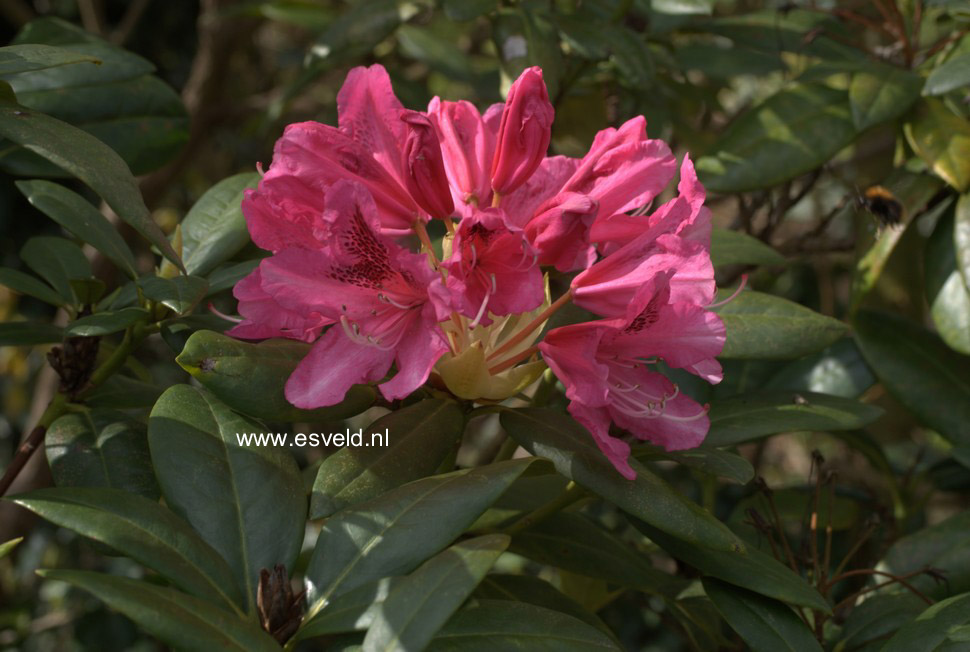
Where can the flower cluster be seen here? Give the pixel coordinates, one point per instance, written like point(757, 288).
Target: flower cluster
point(339, 207)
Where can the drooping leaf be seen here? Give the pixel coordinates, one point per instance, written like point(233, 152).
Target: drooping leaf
point(839, 370)
point(180, 620)
point(951, 75)
point(101, 448)
point(921, 372)
point(26, 284)
point(57, 261)
point(78, 216)
point(143, 530)
point(214, 230)
point(559, 438)
point(737, 248)
point(105, 323)
point(26, 333)
point(945, 546)
point(247, 502)
point(750, 416)
point(766, 625)
point(881, 92)
point(181, 293)
point(942, 139)
point(932, 627)
point(946, 289)
point(18, 59)
point(420, 437)
point(765, 327)
point(421, 603)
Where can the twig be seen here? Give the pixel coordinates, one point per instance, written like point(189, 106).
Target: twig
point(894, 579)
point(32, 442)
point(92, 15)
point(129, 21)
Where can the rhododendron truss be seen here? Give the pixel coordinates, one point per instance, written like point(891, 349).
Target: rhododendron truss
point(344, 211)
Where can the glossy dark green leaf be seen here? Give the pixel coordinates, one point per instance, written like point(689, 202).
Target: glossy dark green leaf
point(396, 532)
point(765, 327)
point(90, 160)
point(750, 416)
point(57, 261)
point(715, 462)
point(247, 502)
point(791, 133)
point(18, 59)
point(880, 92)
point(961, 236)
point(309, 16)
point(78, 216)
point(349, 612)
point(946, 290)
point(945, 546)
point(143, 530)
point(527, 38)
point(932, 627)
point(766, 625)
point(101, 448)
point(123, 393)
point(951, 75)
point(420, 437)
point(469, 9)
point(774, 31)
point(921, 372)
point(738, 248)
point(750, 569)
point(422, 602)
point(181, 293)
point(839, 370)
point(723, 61)
point(105, 323)
point(488, 625)
point(7, 546)
point(26, 333)
point(88, 290)
point(942, 139)
point(27, 284)
point(250, 378)
point(226, 276)
point(185, 622)
point(878, 616)
point(214, 230)
point(559, 438)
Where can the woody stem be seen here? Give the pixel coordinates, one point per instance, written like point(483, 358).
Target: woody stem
point(532, 325)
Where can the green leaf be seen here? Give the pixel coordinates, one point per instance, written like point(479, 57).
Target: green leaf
point(751, 416)
point(802, 31)
point(394, 533)
point(214, 230)
point(766, 625)
point(839, 370)
point(105, 323)
point(878, 616)
point(422, 602)
point(180, 620)
point(123, 393)
point(469, 9)
point(750, 569)
point(945, 546)
point(57, 261)
point(101, 448)
point(180, 294)
point(961, 236)
point(357, 31)
point(951, 75)
point(26, 284)
point(932, 627)
point(557, 437)
point(880, 92)
point(78, 216)
point(724, 61)
point(683, 7)
point(17, 59)
point(143, 530)
point(946, 290)
point(921, 372)
point(90, 160)
point(527, 38)
point(246, 502)
point(765, 327)
point(632, 57)
point(712, 461)
point(737, 248)
point(942, 139)
point(26, 333)
point(226, 276)
point(488, 625)
point(791, 133)
point(250, 378)
point(350, 612)
point(420, 437)
point(7, 546)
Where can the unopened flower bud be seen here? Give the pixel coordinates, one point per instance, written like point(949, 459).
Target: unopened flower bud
point(523, 135)
point(424, 170)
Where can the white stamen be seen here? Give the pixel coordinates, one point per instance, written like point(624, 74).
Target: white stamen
point(744, 280)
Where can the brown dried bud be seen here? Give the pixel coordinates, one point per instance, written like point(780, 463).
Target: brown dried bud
point(280, 611)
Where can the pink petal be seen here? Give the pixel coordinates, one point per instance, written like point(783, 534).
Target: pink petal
point(597, 421)
point(467, 147)
point(570, 351)
point(265, 318)
point(547, 180)
point(416, 354)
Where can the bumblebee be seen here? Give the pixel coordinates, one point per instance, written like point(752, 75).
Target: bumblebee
point(882, 204)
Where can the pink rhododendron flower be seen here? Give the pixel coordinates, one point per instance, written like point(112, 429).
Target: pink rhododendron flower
point(423, 168)
point(524, 133)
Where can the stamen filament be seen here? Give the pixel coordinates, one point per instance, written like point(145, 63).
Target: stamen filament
point(532, 325)
point(422, 233)
point(514, 360)
point(744, 280)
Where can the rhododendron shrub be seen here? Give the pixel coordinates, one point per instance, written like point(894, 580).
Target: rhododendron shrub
point(344, 211)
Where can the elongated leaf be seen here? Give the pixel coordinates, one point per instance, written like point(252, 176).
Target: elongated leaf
point(961, 236)
point(57, 261)
point(421, 603)
point(7, 546)
point(420, 437)
point(394, 533)
point(26, 284)
point(945, 546)
point(765, 327)
point(880, 92)
point(246, 502)
point(90, 160)
point(350, 612)
point(942, 139)
point(946, 290)
point(18, 59)
point(214, 229)
point(26, 333)
point(180, 620)
point(751, 569)
point(919, 370)
point(468, 9)
point(791, 133)
point(750, 416)
point(839, 370)
point(145, 531)
point(101, 448)
point(78, 216)
point(879, 616)
point(715, 462)
point(123, 393)
point(527, 37)
point(181, 293)
point(105, 323)
point(737, 248)
point(570, 447)
point(356, 31)
point(951, 75)
point(489, 625)
point(932, 627)
point(766, 625)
